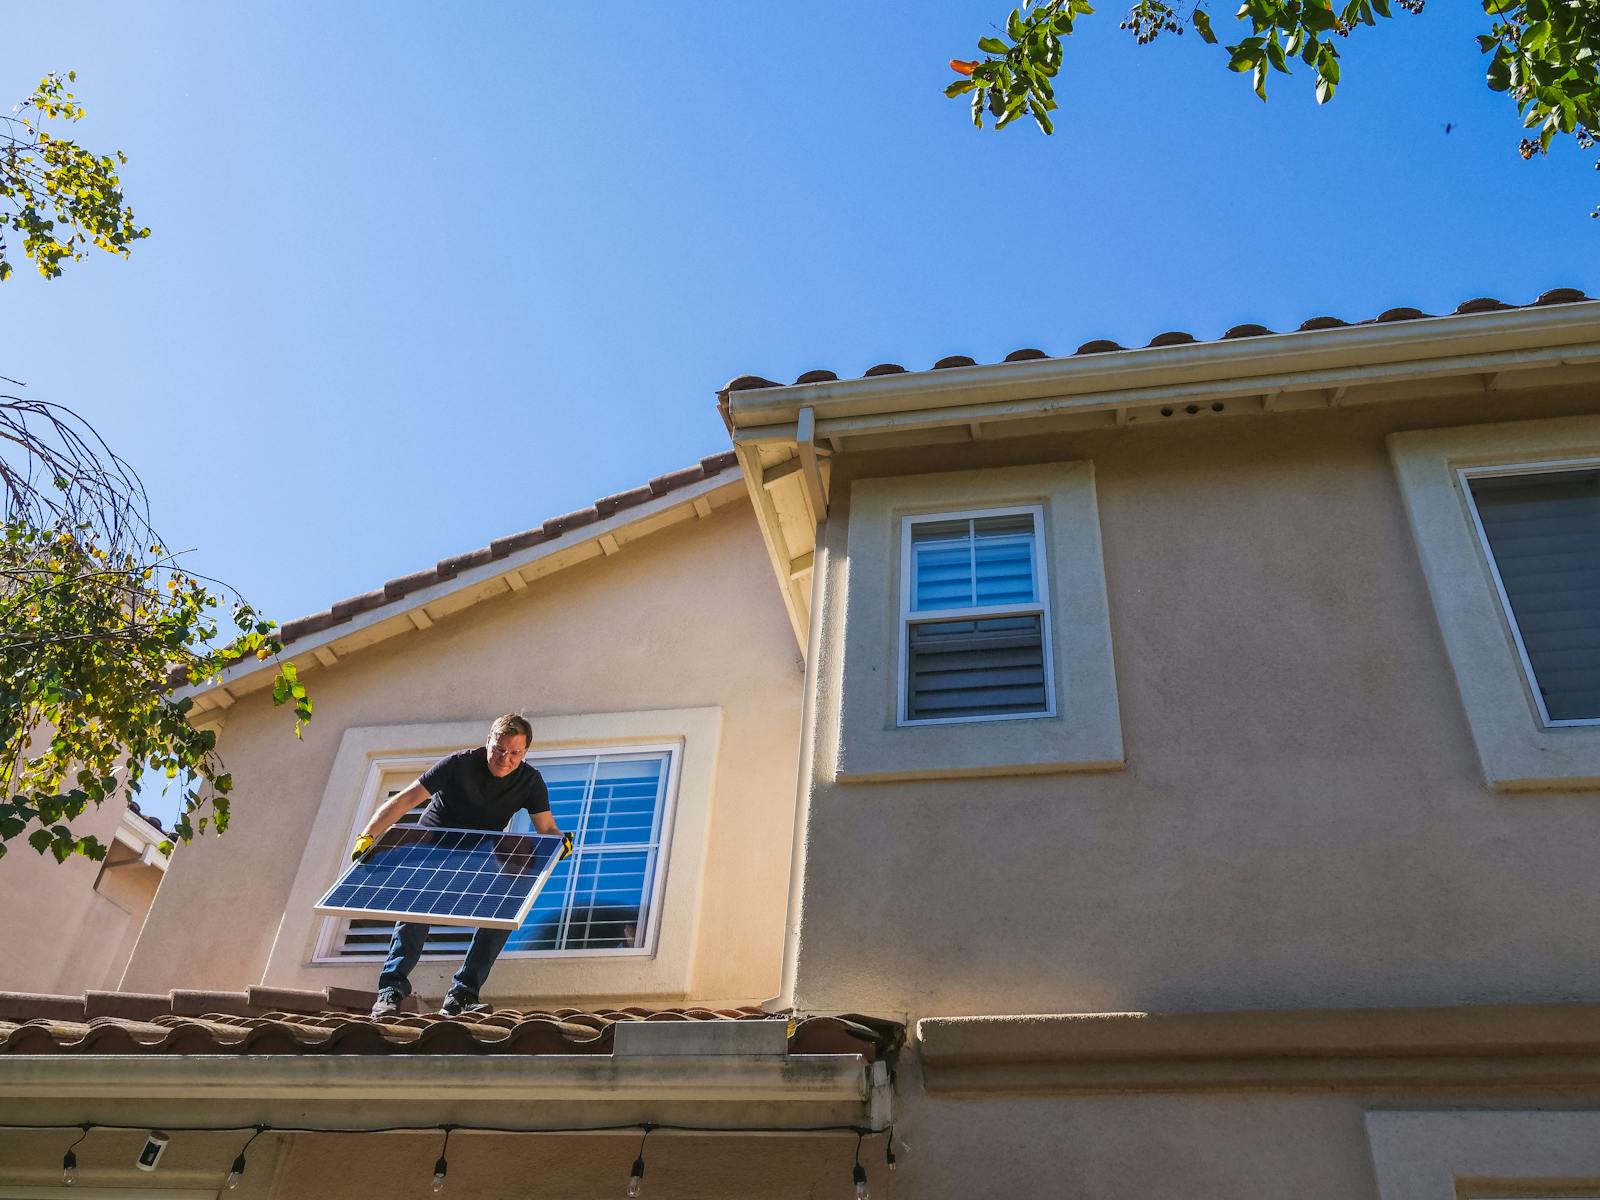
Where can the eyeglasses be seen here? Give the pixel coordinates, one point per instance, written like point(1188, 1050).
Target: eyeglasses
point(500, 752)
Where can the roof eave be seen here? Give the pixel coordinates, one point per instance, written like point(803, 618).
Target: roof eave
point(356, 1091)
point(410, 612)
point(771, 413)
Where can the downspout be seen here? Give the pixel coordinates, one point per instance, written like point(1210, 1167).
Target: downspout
point(784, 1000)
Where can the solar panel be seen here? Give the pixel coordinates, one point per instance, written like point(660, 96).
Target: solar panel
point(446, 877)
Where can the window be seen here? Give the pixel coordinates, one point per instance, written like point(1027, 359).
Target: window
point(1541, 532)
point(978, 632)
point(975, 628)
point(602, 898)
point(1506, 520)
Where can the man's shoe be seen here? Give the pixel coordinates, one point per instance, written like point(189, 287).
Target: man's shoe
point(388, 1004)
point(454, 1004)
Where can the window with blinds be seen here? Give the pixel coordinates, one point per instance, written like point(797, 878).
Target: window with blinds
point(601, 897)
point(1542, 533)
point(974, 618)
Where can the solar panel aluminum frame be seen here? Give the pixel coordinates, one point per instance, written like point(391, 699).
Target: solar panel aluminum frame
point(550, 842)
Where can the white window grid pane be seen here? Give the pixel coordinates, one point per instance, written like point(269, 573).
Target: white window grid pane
point(973, 562)
point(613, 805)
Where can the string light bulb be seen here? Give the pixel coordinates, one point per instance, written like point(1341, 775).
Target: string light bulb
point(442, 1167)
point(636, 1174)
point(858, 1173)
point(69, 1160)
point(236, 1173)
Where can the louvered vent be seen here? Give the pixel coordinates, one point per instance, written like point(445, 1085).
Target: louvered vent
point(1544, 533)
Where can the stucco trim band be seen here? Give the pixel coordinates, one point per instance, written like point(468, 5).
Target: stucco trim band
point(1481, 1045)
point(380, 1092)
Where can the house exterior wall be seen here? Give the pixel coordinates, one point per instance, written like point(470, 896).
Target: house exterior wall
point(1302, 820)
point(73, 936)
point(680, 620)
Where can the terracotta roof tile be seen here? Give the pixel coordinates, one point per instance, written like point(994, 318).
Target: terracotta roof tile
point(1400, 314)
point(1246, 330)
point(292, 1021)
point(954, 360)
point(885, 369)
point(448, 568)
point(1175, 338)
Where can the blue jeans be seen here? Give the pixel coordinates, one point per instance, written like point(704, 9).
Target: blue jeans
point(406, 947)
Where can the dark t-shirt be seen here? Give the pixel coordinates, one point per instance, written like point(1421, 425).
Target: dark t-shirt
point(466, 796)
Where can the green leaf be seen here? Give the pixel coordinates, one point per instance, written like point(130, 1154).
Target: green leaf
point(1202, 24)
point(993, 45)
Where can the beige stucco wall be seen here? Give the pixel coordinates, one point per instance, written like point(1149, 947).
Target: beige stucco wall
point(1302, 819)
point(682, 619)
point(59, 933)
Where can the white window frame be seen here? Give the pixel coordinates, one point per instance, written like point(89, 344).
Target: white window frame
point(1040, 605)
point(330, 936)
point(1466, 475)
point(1517, 751)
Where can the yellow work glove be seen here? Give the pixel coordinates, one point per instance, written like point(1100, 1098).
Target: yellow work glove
point(363, 844)
point(566, 845)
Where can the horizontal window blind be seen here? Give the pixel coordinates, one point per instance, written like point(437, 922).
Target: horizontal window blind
point(1544, 533)
point(975, 668)
point(599, 897)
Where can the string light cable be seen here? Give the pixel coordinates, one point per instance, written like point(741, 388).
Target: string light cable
point(441, 1168)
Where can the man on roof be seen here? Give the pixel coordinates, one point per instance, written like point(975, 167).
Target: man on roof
point(481, 788)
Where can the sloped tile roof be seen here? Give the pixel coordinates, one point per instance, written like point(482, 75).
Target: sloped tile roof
point(549, 530)
point(334, 1021)
point(745, 383)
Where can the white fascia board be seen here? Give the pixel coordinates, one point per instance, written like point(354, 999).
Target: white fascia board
point(412, 1089)
point(143, 838)
point(305, 647)
point(1524, 336)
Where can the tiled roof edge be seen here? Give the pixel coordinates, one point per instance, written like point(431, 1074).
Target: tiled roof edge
point(745, 383)
point(391, 590)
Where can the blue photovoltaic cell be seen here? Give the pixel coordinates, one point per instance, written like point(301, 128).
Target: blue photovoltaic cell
point(447, 877)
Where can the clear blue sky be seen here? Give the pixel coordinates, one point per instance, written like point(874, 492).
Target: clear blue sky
point(405, 254)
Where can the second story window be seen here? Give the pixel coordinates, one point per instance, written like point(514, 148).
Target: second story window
point(974, 617)
point(1541, 529)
